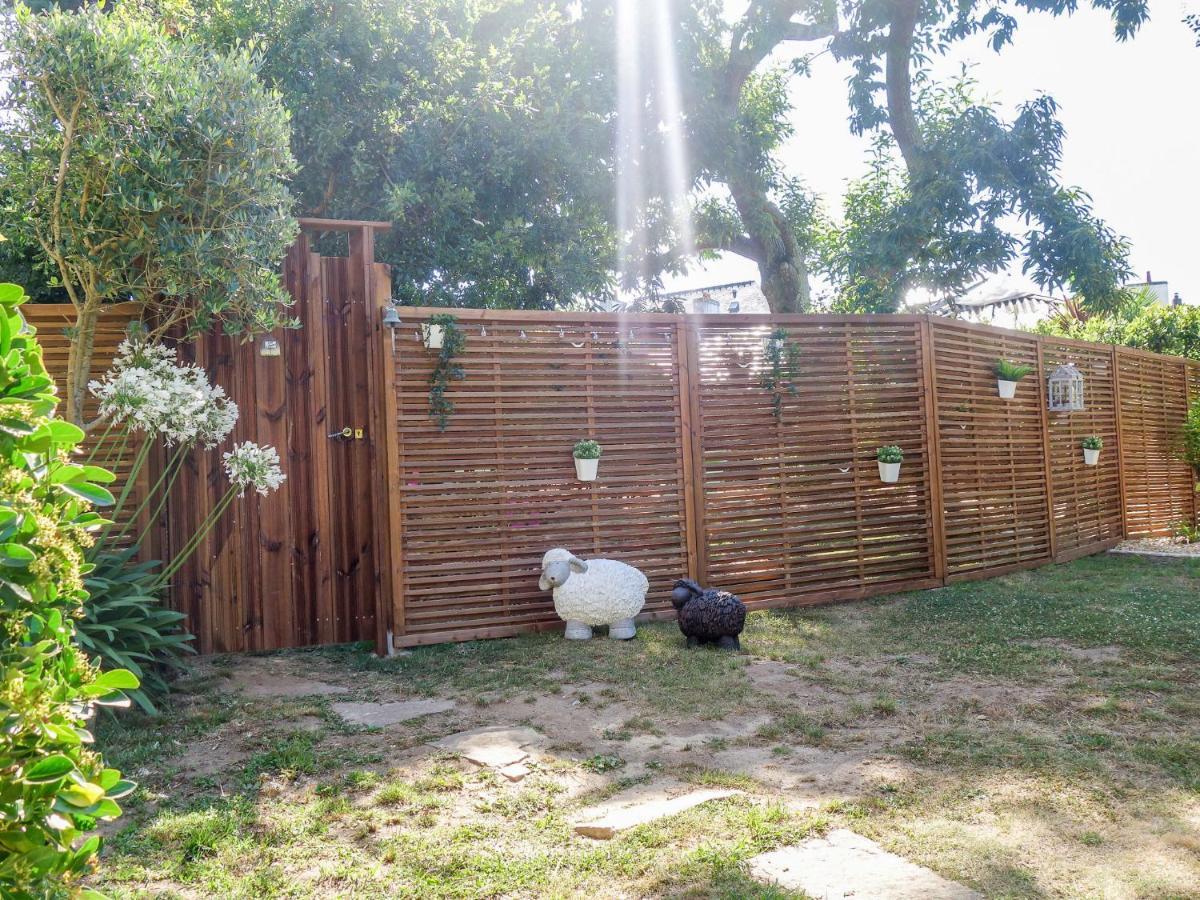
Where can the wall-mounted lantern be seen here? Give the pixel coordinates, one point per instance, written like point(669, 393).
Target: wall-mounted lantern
point(1065, 389)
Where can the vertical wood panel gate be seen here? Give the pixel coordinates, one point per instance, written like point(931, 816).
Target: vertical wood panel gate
point(308, 564)
point(409, 534)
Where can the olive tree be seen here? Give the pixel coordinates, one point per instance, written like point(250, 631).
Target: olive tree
point(144, 167)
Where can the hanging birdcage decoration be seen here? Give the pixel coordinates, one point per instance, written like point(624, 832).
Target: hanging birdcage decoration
point(1066, 389)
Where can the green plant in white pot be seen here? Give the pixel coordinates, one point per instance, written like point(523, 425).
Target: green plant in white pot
point(1008, 373)
point(587, 459)
point(1092, 445)
point(889, 458)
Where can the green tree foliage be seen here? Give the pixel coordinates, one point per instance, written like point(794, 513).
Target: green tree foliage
point(1138, 322)
point(965, 168)
point(949, 176)
point(53, 786)
point(480, 130)
point(145, 167)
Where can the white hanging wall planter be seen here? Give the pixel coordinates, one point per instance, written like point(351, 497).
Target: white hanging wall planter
point(432, 335)
point(1090, 457)
point(889, 459)
point(1091, 449)
point(587, 459)
point(1008, 372)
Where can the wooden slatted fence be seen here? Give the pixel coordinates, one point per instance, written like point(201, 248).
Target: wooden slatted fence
point(410, 534)
point(52, 322)
point(702, 478)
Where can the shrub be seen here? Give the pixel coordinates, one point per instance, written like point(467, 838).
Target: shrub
point(890, 454)
point(1092, 442)
point(145, 167)
point(1007, 370)
point(53, 787)
point(1190, 439)
point(126, 626)
point(587, 449)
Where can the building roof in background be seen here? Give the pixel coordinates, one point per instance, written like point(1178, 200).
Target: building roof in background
point(746, 296)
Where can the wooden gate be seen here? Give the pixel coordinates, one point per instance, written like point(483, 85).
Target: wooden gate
point(303, 566)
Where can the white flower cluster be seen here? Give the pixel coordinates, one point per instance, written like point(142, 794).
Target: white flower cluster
point(250, 466)
point(150, 391)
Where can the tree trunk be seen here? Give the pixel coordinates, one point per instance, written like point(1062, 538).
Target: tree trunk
point(781, 266)
point(79, 361)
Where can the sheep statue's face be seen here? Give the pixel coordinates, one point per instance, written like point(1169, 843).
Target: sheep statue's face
point(557, 566)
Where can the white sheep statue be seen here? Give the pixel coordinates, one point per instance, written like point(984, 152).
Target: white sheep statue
point(595, 592)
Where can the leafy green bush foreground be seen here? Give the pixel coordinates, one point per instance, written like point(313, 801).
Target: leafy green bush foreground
point(53, 786)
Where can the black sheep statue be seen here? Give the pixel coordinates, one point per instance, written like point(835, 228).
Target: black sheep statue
point(708, 616)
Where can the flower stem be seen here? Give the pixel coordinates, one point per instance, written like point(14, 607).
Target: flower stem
point(130, 480)
point(201, 533)
point(171, 469)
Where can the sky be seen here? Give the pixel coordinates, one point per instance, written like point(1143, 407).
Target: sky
point(1130, 110)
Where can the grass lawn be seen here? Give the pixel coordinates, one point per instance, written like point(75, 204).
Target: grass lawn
point(1036, 735)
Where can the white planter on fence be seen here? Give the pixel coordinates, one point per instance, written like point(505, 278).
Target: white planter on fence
point(1008, 389)
point(1090, 457)
point(433, 335)
point(889, 472)
point(585, 469)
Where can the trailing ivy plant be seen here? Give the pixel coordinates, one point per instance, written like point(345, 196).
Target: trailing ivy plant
point(783, 357)
point(445, 370)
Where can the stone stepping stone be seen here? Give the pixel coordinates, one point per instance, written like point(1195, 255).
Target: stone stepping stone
point(642, 804)
point(269, 685)
point(496, 747)
point(844, 864)
point(380, 715)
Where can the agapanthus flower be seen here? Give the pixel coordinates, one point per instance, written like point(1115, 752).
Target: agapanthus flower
point(150, 392)
point(250, 466)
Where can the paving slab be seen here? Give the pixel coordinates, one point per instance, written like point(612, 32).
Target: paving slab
point(380, 715)
point(495, 747)
point(844, 864)
point(643, 804)
point(266, 684)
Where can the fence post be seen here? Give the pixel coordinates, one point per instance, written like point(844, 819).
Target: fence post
point(933, 450)
point(1116, 376)
point(362, 264)
point(1194, 476)
point(1047, 460)
point(691, 425)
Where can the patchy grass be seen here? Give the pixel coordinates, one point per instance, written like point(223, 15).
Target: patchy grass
point(1034, 735)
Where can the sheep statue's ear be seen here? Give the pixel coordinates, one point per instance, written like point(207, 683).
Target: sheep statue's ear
point(578, 565)
point(543, 584)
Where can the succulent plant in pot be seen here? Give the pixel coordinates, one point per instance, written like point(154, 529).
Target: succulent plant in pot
point(587, 459)
point(1008, 373)
point(889, 458)
point(1092, 446)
